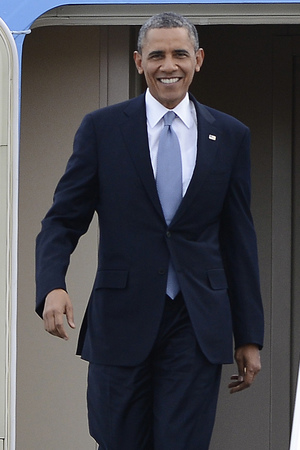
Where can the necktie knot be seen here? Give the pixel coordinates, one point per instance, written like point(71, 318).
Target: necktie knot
point(168, 118)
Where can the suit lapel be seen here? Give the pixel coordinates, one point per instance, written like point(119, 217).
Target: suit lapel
point(134, 130)
point(207, 146)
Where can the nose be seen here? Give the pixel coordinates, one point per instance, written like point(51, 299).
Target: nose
point(169, 64)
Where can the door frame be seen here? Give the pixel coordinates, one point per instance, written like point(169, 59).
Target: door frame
point(9, 145)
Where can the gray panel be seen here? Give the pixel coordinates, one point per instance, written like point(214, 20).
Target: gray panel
point(60, 85)
point(296, 223)
point(281, 243)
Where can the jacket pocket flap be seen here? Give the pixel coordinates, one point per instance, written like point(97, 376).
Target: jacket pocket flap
point(217, 279)
point(115, 279)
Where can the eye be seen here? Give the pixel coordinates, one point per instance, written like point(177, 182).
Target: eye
point(155, 56)
point(181, 54)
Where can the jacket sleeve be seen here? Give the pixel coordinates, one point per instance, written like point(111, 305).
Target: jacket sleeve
point(239, 250)
point(74, 203)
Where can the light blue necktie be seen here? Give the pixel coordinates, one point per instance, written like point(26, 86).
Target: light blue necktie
point(169, 184)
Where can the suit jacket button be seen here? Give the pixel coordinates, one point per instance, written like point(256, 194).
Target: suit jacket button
point(168, 234)
point(161, 271)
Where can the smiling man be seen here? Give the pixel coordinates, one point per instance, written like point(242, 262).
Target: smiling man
point(169, 59)
point(178, 273)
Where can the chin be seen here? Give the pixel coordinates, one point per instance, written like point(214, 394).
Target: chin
point(171, 102)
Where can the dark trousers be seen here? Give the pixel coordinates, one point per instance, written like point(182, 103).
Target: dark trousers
point(168, 402)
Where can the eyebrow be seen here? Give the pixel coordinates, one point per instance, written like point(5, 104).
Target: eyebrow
point(161, 52)
point(186, 52)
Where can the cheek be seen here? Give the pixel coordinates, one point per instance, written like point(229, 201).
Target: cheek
point(190, 75)
point(149, 78)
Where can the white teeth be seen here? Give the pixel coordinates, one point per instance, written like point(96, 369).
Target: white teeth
point(169, 80)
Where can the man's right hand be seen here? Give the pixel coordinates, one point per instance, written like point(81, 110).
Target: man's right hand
point(58, 304)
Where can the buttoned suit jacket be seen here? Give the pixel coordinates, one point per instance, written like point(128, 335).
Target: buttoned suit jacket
point(211, 238)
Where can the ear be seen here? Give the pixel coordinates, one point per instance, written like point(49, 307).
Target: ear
point(199, 59)
point(138, 62)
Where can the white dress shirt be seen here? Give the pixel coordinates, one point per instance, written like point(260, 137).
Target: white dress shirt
point(185, 126)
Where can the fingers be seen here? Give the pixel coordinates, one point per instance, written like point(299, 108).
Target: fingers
point(58, 304)
point(236, 383)
point(241, 382)
point(53, 323)
point(248, 362)
point(70, 315)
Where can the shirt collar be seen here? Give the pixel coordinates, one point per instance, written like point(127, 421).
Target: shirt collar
point(155, 110)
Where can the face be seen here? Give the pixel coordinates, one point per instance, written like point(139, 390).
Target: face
point(169, 62)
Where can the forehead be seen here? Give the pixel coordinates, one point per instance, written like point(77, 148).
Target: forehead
point(167, 38)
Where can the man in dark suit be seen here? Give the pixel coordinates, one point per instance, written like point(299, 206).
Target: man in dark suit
point(156, 354)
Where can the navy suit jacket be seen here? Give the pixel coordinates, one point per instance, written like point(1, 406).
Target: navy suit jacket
point(211, 238)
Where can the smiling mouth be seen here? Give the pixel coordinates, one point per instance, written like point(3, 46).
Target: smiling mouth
point(169, 80)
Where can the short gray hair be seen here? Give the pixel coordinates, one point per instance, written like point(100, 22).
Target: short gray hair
point(168, 20)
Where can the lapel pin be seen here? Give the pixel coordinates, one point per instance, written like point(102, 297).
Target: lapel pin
point(212, 137)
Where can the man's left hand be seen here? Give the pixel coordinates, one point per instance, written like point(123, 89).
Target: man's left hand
point(248, 362)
